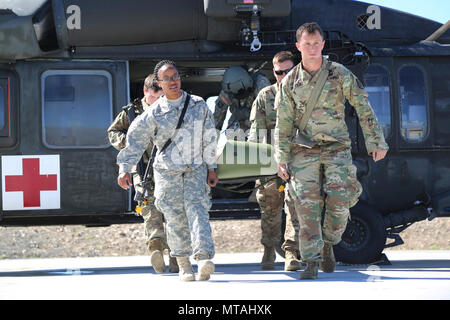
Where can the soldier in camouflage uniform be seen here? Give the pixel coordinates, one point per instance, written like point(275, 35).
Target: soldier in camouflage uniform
point(182, 171)
point(270, 200)
point(328, 164)
point(153, 219)
point(239, 90)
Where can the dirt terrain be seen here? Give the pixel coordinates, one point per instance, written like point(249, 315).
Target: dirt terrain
point(128, 239)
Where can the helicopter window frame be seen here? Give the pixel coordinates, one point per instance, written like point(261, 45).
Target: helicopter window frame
point(5, 107)
point(8, 105)
point(404, 132)
point(69, 95)
point(387, 130)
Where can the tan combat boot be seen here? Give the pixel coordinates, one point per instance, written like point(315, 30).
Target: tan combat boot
point(186, 272)
point(205, 269)
point(268, 259)
point(329, 262)
point(156, 255)
point(311, 271)
point(291, 263)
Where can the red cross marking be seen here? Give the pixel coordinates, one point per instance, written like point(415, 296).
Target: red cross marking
point(31, 183)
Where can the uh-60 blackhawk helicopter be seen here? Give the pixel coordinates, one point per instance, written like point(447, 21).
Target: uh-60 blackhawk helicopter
point(68, 66)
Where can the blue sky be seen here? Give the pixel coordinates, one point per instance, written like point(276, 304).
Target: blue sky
point(437, 10)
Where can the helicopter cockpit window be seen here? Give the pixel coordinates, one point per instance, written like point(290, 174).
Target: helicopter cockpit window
point(413, 103)
point(377, 86)
point(76, 108)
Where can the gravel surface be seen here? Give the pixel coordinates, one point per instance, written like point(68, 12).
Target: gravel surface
point(128, 239)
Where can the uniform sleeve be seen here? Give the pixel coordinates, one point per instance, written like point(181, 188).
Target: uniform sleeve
point(140, 133)
point(285, 107)
point(258, 128)
point(209, 141)
point(220, 112)
point(117, 131)
point(356, 95)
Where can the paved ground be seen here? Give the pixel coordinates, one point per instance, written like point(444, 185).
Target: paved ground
point(411, 275)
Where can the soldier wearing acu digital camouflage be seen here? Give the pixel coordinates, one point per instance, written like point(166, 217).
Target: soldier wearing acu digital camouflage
point(313, 146)
point(270, 200)
point(239, 90)
point(153, 219)
point(184, 168)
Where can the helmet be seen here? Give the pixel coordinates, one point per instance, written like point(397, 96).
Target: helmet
point(237, 81)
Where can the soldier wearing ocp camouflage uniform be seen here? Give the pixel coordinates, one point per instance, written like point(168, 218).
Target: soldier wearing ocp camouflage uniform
point(327, 165)
point(270, 200)
point(153, 219)
point(239, 90)
point(184, 164)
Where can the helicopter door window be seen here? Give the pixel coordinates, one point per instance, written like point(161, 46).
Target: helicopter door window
point(376, 78)
point(413, 103)
point(76, 108)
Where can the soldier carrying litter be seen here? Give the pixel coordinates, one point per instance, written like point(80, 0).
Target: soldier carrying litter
point(317, 155)
point(153, 219)
point(182, 128)
point(270, 200)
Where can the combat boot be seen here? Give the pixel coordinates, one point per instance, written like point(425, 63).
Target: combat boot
point(205, 269)
point(186, 272)
point(311, 271)
point(291, 263)
point(173, 265)
point(156, 256)
point(329, 262)
point(268, 259)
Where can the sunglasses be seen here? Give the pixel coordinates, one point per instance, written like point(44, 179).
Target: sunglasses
point(280, 72)
point(168, 79)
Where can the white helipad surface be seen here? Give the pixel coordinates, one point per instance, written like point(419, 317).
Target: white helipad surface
point(238, 276)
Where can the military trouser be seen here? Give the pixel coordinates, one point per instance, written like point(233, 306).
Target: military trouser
point(183, 199)
point(329, 170)
point(153, 224)
point(270, 201)
point(292, 230)
point(153, 219)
